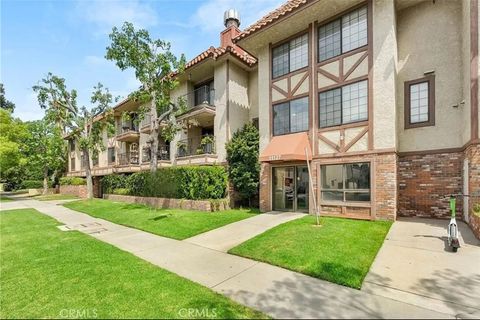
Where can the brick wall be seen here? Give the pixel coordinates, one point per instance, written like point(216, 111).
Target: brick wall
point(265, 194)
point(424, 179)
point(386, 187)
point(79, 191)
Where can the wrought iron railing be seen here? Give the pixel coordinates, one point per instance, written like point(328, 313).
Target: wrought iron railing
point(202, 95)
point(191, 146)
point(127, 127)
point(147, 119)
point(125, 159)
point(162, 154)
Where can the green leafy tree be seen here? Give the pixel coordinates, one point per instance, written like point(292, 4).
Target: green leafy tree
point(12, 134)
point(154, 65)
point(44, 149)
point(84, 126)
point(243, 164)
point(4, 103)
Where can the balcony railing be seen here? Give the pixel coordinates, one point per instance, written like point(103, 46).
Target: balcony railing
point(204, 95)
point(125, 159)
point(127, 127)
point(145, 121)
point(190, 147)
point(162, 154)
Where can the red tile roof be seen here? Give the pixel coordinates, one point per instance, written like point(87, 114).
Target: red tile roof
point(215, 53)
point(285, 9)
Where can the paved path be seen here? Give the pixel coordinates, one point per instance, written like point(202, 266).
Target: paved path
point(231, 235)
point(415, 265)
point(277, 292)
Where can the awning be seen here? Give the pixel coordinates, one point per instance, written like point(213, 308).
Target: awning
point(287, 147)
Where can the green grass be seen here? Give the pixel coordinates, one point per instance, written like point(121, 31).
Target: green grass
point(49, 197)
point(171, 223)
point(46, 271)
point(340, 251)
point(4, 199)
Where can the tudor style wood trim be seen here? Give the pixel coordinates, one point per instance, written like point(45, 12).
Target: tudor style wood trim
point(431, 102)
point(302, 79)
point(280, 90)
point(329, 75)
point(355, 140)
point(370, 74)
point(329, 142)
point(350, 71)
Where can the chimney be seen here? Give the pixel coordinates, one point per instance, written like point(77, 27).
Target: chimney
point(231, 20)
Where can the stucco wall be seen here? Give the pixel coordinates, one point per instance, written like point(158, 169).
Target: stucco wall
point(384, 68)
point(239, 106)
point(263, 96)
point(428, 39)
point(220, 122)
point(253, 93)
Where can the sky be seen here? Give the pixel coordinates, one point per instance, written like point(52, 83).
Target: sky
point(69, 37)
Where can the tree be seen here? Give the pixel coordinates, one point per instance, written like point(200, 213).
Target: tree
point(44, 148)
point(243, 165)
point(4, 103)
point(85, 126)
point(154, 65)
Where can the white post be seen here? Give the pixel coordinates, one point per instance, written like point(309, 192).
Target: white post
point(311, 187)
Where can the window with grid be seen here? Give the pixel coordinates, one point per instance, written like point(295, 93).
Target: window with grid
point(345, 182)
point(290, 56)
point(290, 117)
point(111, 155)
point(342, 35)
point(419, 102)
point(343, 105)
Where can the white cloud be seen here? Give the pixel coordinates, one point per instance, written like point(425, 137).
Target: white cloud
point(105, 14)
point(209, 16)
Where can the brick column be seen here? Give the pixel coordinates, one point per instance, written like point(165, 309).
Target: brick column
point(472, 153)
point(385, 187)
point(265, 193)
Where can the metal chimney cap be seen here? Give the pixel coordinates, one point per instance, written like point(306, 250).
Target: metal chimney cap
point(230, 16)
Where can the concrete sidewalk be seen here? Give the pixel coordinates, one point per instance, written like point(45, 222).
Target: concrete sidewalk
point(277, 292)
point(231, 235)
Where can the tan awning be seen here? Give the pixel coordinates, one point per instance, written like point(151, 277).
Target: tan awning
point(288, 147)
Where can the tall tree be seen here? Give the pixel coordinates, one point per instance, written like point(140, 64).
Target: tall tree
point(84, 125)
point(44, 148)
point(12, 134)
point(154, 65)
point(4, 103)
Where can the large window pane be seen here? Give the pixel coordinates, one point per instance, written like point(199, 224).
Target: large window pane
point(419, 102)
point(280, 63)
point(357, 176)
point(357, 196)
point(299, 115)
point(355, 102)
point(281, 119)
point(332, 195)
point(354, 29)
point(329, 40)
point(330, 108)
point(299, 53)
point(332, 176)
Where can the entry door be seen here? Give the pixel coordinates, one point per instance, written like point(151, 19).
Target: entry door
point(290, 188)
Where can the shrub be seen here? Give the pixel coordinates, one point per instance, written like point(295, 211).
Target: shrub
point(121, 191)
point(195, 183)
point(33, 184)
point(72, 181)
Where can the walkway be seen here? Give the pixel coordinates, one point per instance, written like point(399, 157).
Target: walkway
point(275, 291)
point(416, 265)
point(231, 235)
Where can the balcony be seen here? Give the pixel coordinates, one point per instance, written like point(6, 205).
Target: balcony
point(163, 153)
point(196, 150)
point(128, 158)
point(199, 104)
point(128, 132)
point(145, 124)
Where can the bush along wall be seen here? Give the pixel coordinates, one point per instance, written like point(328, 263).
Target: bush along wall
point(186, 182)
point(72, 181)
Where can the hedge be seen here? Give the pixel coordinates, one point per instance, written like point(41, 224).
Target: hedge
point(34, 184)
point(186, 182)
point(72, 181)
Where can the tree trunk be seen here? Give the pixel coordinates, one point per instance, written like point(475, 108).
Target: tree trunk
point(45, 181)
point(153, 135)
point(88, 174)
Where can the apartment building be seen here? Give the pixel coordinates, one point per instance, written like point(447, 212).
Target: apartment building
point(379, 96)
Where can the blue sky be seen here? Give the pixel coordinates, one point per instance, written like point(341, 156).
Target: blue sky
point(69, 37)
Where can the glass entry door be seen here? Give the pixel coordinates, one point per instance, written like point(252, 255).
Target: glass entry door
point(290, 188)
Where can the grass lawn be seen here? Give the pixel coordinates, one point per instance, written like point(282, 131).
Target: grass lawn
point(340, 251)
point(172, 223)
point(4, 199)
point(57, 196)
point(48, 273)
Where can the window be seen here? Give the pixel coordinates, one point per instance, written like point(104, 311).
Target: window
point(290, 56)
point(346, 182)
point(203, 93)
point(72, 164)
point(71, 145)
point(290, 117)
point(344, 105)
point(111, 155)
point(420, 102)
point(342, 35)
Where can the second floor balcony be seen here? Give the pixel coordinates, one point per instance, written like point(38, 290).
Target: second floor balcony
point(198, 103)
point(128, 158)
point(128, 132)
point(163, 153)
